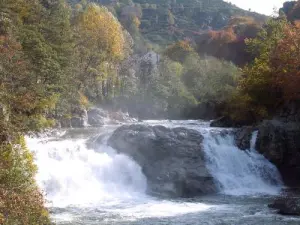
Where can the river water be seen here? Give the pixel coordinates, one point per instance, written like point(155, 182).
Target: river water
point(98, 186)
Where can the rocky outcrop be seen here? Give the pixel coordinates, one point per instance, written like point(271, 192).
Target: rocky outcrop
point(223, 121)
point(243, 137)
point(120, 117)
point(280, 143)
point(171, 159)
point(227, 121)
point(289, 113)
point(287, 206)
point(64, 123)
point(96, 117)
point(78, 119)
point(78, 122)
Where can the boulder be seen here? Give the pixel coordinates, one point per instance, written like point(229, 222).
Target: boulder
point(77, 122)
point(79, 119)
point(97, 116)
point(65, 123)
point(223, 121)
point(287, 206)
point(172, 159)
point(280, 143)
point(243, 137)
point(120, 117)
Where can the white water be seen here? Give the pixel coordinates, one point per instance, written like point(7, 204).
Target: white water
point(240, 172)
point(72, 175)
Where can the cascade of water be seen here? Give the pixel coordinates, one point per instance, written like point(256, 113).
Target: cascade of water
point(70, 173)
point(238, 172)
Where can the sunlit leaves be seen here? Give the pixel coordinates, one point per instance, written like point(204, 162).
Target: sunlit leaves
point(273, 78)
point(98, 28)
point(21, 201)
point(285, 62)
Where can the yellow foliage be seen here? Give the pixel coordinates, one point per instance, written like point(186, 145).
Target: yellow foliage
point(101, 31)
point(136, 21)
point(83, 100)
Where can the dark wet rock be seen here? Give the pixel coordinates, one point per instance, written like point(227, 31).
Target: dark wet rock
point(280, 143)
point(227, 121)
point(97, 116)
point(78, 122)
point(222, 122)
point(287, 206)
point(65, 123)
point(243, 137)
point(289, 113)
point(171, 159)
point(121, 117)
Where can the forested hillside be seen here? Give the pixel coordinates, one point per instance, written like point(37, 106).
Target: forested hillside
point(153, 59)
point(163, 22)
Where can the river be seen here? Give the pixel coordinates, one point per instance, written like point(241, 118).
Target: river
point(97, 186)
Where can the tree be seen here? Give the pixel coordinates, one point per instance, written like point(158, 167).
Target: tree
point(257, 96)
point(284, 64)
point(31, 65)
point(179, 51)
point(99, 43)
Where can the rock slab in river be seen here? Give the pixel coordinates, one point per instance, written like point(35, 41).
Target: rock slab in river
point(172, 159)
point(96, 117)
point(287, 206)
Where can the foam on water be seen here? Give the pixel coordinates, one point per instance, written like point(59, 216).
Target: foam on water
point(72, 174)
point(75, 177)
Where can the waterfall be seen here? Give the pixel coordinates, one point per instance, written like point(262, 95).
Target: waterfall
point(72, 174)
point(238, 172)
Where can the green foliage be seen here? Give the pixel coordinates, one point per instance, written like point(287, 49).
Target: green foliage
point(257, 96)
point(210, 79)
point(34, 61)
point(20, 200)
point(179, 51)
point(168, 21)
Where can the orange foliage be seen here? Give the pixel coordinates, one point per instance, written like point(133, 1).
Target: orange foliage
point(223, 37)
point(285, 62)
point(179, 50)
point(229, 43)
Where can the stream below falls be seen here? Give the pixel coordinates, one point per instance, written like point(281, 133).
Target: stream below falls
point(98, 186)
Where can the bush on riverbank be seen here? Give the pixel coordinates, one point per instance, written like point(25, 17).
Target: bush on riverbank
point(21, 202)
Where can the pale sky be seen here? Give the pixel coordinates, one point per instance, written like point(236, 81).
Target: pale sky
point(260, 6)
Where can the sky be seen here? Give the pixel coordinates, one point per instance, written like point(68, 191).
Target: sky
point(261, 6)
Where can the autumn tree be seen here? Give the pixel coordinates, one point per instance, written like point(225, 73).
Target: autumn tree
point(179, 51)
point(284, 64)
point(229, 43)
point(99, 44)
point(257, 97)
point(32, 61)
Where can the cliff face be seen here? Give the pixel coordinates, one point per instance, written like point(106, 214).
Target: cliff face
point(278, 140)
